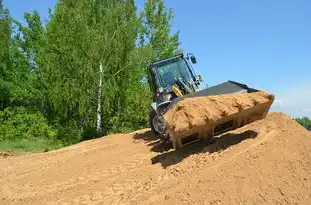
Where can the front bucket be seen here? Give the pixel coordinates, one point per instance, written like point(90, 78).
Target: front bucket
point(194, 119)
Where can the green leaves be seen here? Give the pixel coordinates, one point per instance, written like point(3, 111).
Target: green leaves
point(81, 36)
point(50, 86)
point(155, 29)
point(22, 123)
point(5, 41)
point(306, 122)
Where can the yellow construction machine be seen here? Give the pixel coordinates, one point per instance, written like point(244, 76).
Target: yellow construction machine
point(172, 80)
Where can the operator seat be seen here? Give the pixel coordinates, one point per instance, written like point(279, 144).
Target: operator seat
point(168, 78)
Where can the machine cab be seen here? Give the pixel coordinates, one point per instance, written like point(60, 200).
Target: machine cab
point(163, 74)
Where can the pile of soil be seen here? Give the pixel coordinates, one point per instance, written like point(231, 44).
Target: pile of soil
point(4, 154)
point(7, 154)
point(203, 111)
point(265, 162)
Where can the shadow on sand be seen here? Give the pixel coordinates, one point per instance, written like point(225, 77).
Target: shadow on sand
point(216, 144)
point(147, 136)
point(153, 141)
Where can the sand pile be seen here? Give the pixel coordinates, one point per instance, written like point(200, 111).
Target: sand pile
point(6, 154)
point(198, 112)
point(265, 162)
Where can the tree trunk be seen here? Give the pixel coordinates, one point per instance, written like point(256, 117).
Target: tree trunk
point(99, 101)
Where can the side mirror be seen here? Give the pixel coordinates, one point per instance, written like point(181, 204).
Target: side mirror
point(193, 59)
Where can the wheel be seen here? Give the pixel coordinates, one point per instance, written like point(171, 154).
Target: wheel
point(152, 121)
point(157, 124)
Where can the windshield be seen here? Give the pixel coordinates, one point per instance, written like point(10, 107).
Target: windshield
point(170, 70)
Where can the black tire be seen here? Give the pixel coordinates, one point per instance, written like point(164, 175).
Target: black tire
point(152, 114)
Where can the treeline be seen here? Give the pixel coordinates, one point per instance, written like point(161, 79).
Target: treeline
point(305, 121)
point(78, 75)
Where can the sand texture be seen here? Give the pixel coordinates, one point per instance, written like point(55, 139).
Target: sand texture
point(203, 111)
point(265, 162)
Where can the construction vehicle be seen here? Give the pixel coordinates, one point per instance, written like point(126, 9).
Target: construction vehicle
point(174, 79)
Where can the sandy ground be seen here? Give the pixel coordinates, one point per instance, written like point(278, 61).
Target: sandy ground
point(266, 162)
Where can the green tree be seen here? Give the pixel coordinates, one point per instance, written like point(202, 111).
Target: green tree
point(80, 74)
point(18, 80)
point(89, 46)
point(22, 124)
point(305, 121)
point(5, 40)
point(155, 41)
point(28, 50)
point(156, 29)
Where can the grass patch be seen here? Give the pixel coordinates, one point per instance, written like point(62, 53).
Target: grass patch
point(30, 145)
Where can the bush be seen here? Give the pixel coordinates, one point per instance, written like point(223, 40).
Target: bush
point(305, 121)
point(68, 132)
point(24, 123)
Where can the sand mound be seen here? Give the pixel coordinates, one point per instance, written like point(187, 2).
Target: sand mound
point(5, 154)
point(265, 162)
point(197, 112)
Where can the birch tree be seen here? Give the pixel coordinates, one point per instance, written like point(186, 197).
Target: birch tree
point(90, 42)
point(82, 69)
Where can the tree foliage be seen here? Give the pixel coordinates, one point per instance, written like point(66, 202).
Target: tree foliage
point(22, 123)
point(5, 41)
point(155, 29)
point(52, 84)
point(305, 121)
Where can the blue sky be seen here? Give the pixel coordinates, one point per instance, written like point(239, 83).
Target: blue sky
point(265, 44)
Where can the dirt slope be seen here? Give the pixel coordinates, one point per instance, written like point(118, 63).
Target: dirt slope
point(266, 162)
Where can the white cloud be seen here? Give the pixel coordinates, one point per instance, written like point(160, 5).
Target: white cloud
point(295, 102)
point(277, 103)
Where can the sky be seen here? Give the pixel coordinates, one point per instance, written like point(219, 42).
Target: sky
point(262, 43)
